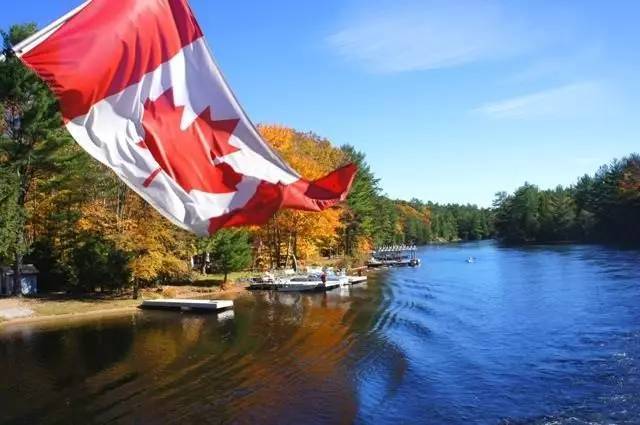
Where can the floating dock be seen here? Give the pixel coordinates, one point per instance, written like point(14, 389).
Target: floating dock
point(354, 280)
point(188, 305)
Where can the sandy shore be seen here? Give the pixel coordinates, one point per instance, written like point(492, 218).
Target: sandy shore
point(14, 311)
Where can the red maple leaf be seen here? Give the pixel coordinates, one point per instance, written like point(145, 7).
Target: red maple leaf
point(187, 156)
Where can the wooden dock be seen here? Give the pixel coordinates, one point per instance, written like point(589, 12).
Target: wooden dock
point(188, 305)
point(354, 280)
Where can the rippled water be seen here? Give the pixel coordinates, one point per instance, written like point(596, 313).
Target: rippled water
point(532, 335)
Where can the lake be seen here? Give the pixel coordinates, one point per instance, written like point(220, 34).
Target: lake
point(544, 334)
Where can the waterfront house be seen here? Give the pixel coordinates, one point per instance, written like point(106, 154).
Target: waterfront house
point(28, 281)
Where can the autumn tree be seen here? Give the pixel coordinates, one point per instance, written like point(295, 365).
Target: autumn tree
point(299, 234)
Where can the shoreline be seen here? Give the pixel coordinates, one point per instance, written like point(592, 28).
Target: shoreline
point(62, 308)
point(42, 310)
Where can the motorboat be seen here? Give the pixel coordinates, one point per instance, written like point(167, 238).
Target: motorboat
point(302, 283)
point(311, 282)
point(375, 263)
point(265, 281)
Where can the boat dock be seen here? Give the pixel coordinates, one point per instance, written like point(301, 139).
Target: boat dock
point(394, 256)
point(354, 280)
point(327, 286)
point(188, 305)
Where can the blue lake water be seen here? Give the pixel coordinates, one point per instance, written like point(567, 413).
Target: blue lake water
point(547, 334)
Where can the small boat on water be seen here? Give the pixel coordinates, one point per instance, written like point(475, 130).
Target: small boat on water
point(299, 284)
point(375, 263)
point(265, 281)
point(315, 279)
point(311, 282)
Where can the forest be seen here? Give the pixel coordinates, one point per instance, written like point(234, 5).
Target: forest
point(604, 207)
point(87, 231)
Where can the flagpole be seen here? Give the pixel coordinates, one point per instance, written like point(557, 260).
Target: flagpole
point(37, 38)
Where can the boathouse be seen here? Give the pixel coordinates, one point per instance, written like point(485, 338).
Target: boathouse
point(28, 281)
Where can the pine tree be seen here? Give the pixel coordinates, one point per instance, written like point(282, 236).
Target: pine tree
point(30, 139)
point(230, 250)
point(359, 219)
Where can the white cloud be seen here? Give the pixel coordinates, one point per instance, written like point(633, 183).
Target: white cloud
point(421, 35)
point(560, 102)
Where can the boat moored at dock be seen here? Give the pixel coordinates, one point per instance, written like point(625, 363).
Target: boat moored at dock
point(312, 281)
point(394, 256)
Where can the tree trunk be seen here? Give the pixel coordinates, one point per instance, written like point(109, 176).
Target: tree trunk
point(224, 280)
point(286, 258)
point(136, 289)
point(19, 255)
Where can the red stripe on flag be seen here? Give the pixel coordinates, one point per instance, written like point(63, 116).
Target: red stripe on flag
point(151, 177)
point(302, 195)
point(109, 46)
point(322, 193)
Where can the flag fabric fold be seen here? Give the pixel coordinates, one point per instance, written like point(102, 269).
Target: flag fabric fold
point(140, 91)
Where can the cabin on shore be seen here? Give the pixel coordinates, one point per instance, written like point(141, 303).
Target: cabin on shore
point(28, 281)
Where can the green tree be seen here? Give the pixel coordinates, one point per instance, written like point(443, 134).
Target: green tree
point(518, 215)
point(229, 249)
point(99, 264)
point(360, 216)
point(30, 138)
point(10, 215)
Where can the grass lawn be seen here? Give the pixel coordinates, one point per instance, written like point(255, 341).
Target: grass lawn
point(216, 279)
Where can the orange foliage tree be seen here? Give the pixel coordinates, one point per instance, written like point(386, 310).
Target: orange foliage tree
point(299, 234)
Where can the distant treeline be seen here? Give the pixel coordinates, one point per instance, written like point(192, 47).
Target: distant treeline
point(373, 218)
point(604, 207)
point(431, 222)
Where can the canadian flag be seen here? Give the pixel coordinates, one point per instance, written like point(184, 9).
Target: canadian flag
point(140, 91)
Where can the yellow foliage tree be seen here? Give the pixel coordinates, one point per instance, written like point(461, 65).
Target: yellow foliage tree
point(298, 233)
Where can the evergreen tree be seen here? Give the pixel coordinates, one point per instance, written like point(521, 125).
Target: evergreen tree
point(359, 219)
point(30, 139)
point(10, 215)
point(230, 250)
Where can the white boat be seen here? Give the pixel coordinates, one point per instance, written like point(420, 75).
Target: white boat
point(301, 283)
point(311, 282)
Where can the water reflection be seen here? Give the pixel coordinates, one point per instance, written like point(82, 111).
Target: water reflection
point(274, 356)
point(531, 335)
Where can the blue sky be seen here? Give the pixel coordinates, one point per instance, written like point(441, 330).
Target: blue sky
point(450, 100)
